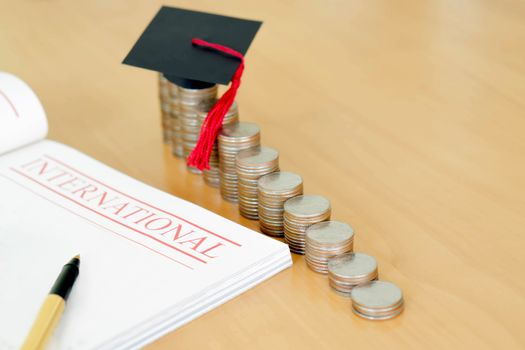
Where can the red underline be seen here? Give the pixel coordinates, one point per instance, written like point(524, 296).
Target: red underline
point(95, 223)
point(10, 103)
point(107, 217)
point(142, 202)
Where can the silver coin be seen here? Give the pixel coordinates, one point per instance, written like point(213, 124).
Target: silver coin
point(279, 182)
point(330, 233)
point(261, 156)
point(204, 107)
point(377, 300)
point(352, 265)
point(307, 205)
point(239, 132)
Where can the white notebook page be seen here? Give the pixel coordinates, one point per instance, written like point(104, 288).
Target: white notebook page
point(22, 118)
point(142, 250)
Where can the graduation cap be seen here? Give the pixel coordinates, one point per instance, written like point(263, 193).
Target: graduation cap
point(197, 50)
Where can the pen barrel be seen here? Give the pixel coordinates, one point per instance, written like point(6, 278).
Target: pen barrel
point(44, 324)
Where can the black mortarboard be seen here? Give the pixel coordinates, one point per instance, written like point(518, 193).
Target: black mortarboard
point(196, 50)
point(166, 46)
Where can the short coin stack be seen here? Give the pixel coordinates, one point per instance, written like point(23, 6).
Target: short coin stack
point(233, 139)
point(164, 96)
point(326, 240)
point(273, 190)
point(251, 164)
point(377, 300)
point(349, 270)
point(175, 124)
point(190, 99)
point(211, 176)
point(300, 213)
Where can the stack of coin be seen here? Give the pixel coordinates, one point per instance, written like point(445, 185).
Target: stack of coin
point(377, 300)
point(190, 101)
point(300, 213)
point(326, 240)
point(273, 190)
point(211, 176)
point(164, 96)
point(348, 270)
point(175, 124)
point(232, 139)
point(251, 164)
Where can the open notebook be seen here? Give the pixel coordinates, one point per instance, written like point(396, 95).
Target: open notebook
point(151, 262)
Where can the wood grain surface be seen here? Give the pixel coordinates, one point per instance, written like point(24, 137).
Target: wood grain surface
point(408, 114)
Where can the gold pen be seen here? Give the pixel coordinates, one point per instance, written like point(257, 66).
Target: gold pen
point(53, 306)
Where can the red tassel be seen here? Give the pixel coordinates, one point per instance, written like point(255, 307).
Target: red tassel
point(200, 156)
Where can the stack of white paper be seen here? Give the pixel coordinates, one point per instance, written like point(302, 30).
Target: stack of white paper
point(150, 262)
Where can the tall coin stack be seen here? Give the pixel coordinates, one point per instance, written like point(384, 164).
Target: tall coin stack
point(326, 240)
point(211, 176)
point(348, 270)
point(190, 101)
point(300, 213)
point(251, 164)
point(377, 300)
point(164, 96)
point(273, 190)
point(232, 139)
point(175, 124)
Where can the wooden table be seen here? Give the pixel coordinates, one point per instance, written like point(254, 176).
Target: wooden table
point(409, 115)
